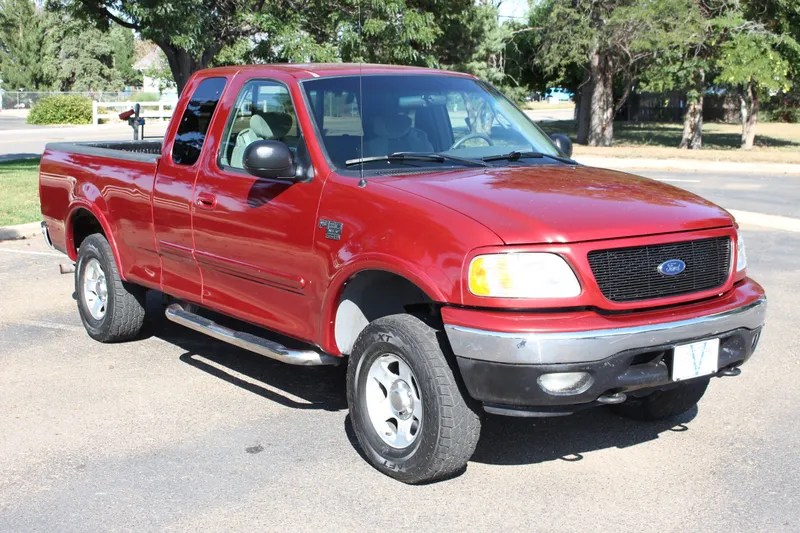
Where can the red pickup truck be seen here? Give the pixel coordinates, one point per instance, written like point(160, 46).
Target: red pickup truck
point(418, 226)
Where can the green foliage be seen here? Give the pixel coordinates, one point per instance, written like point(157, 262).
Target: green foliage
point(81, 57)
point(61, 109)
point(751, 58)
point(122, 47)
point(40, 50)
point(22, 38)
point(190, 32)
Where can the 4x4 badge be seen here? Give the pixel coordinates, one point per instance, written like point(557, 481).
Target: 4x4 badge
point(333, 229)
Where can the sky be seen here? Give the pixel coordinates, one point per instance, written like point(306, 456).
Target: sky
point(511, 9)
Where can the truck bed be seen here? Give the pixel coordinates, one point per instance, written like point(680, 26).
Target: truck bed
point(146, 150)
point(105, 178)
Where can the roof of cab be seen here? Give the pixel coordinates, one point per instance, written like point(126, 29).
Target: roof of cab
point(323, 70)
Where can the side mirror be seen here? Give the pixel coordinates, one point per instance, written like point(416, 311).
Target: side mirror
point(563, 143)
point(269, 159)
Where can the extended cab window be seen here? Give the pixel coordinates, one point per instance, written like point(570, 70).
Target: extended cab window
point(195, 121)
point(263, 111)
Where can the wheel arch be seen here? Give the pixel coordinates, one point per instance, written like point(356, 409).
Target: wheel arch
point(84, 219)
point(371, 292)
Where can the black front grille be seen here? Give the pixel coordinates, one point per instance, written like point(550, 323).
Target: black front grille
point(629, 274)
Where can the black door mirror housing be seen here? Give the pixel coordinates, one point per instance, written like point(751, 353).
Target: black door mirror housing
point(270, 159)
point(563, 143)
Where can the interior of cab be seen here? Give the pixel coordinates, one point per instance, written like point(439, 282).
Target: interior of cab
point(378, 115)
point(263, 111)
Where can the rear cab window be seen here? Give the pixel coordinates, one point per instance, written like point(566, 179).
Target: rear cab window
point(195, 121)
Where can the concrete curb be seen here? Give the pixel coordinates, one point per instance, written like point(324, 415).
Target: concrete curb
point(690, 165)
point(20, 231)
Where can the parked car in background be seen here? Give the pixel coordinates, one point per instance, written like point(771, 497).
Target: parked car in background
point(557, 95)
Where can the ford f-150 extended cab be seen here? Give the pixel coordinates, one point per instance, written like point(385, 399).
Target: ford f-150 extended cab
point(417, 226)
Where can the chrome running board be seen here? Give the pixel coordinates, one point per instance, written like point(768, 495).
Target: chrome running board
point(176, 313)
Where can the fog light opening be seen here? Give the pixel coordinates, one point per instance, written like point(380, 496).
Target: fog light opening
point(565, 383)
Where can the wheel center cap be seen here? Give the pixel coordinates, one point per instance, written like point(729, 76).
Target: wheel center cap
point(401, 399)
point(100, 289)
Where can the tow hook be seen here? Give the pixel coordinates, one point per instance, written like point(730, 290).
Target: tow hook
point(611, 399)
point(730, 372)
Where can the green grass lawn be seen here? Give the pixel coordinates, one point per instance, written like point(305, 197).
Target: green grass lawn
point(19, 192)
point(776, 142)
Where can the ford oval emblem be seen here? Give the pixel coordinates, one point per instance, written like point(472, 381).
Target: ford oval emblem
point(672, 267)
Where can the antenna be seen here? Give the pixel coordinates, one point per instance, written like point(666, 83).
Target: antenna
point(361, 182)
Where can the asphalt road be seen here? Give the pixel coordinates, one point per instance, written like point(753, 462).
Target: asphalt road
point(179, 432)
point(18, 140)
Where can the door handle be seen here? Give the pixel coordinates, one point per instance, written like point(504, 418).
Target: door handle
point(206, 201)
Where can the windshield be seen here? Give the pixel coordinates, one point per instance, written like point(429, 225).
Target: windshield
point(419, 114)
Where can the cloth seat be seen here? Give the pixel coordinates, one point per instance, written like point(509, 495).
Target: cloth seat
point(393, 133)
point(259, 129)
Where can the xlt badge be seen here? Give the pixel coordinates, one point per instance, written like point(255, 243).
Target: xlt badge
point(333, 229)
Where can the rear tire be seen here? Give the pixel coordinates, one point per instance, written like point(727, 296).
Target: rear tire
point(111, 310)
point(663, 404)
point(406, 407)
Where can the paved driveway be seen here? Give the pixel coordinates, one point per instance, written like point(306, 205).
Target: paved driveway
point(179, 432)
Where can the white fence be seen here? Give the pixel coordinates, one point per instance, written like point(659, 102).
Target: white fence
point(109, 111)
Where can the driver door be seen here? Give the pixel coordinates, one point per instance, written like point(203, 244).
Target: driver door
point(253, 236)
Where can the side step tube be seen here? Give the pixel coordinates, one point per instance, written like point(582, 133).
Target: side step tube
point(176, 313)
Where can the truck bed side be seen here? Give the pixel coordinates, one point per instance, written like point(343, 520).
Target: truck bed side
point(103, 186)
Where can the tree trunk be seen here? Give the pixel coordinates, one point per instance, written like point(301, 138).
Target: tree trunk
point(693, 125)
point(601, 121)
point(749, 106)
point(182, 64)
point(583, 111)
point(693, 118)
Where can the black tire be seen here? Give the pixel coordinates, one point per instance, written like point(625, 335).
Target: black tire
point(663, 404)
point(125, 304)
point(450, 426)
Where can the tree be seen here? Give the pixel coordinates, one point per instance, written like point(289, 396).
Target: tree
point(683, 65)
point(761, 56)
point(122, 50)
point(22, 38)
point(79, 57)
point(610, 41)
point(190, 32)
point(751, 63)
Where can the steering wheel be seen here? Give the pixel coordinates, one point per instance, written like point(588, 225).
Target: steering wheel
point(469, 137)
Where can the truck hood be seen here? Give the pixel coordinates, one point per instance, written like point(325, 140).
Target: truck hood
point(560, 204)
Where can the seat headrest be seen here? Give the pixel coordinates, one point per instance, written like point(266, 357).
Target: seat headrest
point(260, 127)
point(393, 126)
point(279, 123)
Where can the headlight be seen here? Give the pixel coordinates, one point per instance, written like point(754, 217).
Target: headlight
point(741, 253)
point(522, 275)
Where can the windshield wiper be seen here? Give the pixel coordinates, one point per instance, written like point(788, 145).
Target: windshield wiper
point(435, 157)
point(516, 155)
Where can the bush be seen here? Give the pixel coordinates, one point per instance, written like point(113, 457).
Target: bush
point(784, 114)
point(61, 109)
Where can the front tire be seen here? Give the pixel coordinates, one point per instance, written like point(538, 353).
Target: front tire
point(663, 404)
point(406, 407)
point(111, 310)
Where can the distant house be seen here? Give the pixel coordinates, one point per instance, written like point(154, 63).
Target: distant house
point(152, 65)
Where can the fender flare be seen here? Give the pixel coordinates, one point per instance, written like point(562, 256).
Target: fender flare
point(98, 213)
point(380, 262)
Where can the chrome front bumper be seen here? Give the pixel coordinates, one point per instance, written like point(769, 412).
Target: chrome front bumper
point(532, 348)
